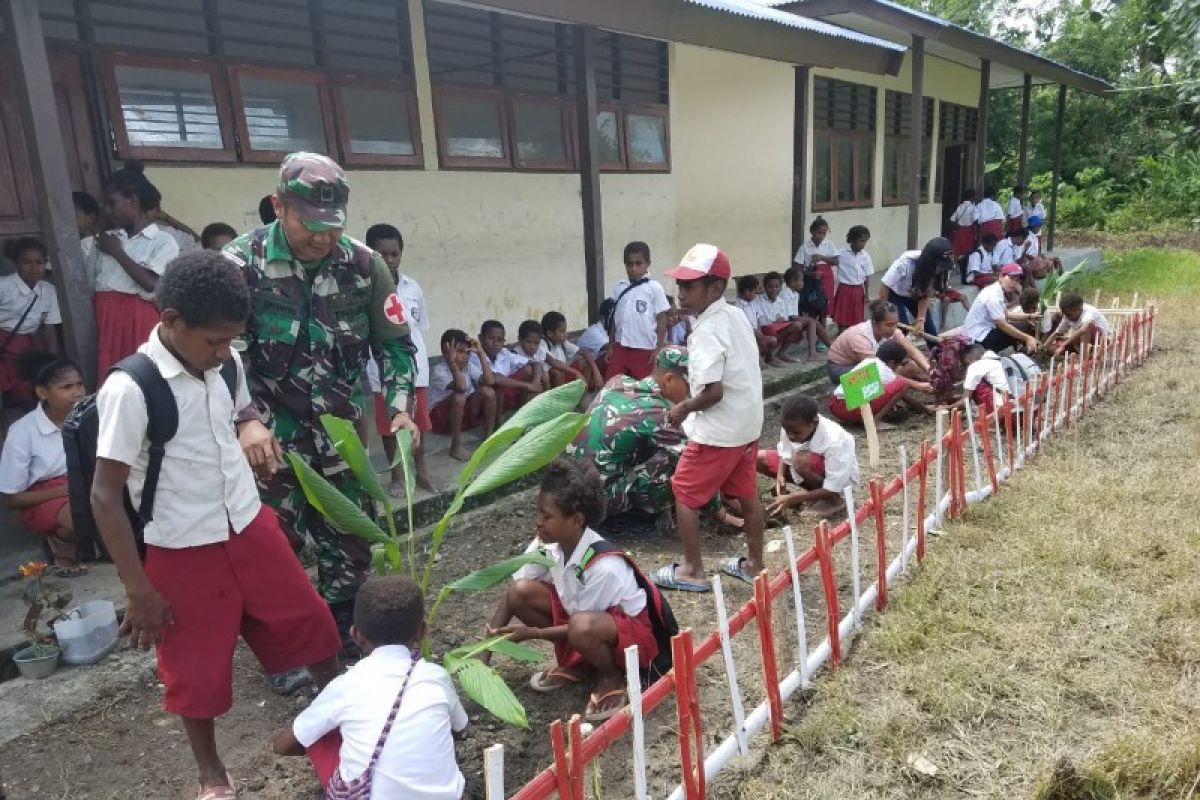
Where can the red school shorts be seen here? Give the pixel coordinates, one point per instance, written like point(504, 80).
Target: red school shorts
point(837, 405)
point(630, 630)
point(629, 361)
point(704, 471)
point(439, 416)
point(815, 462)
point(251, 584)
point(383, 417)
point(42, 519)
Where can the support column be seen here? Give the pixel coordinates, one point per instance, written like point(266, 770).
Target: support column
point(981, 137)
point(800, 126)
point(916, 140)
point(589, 169)
point(1058, 137)
point(51, 181)
point(1023, 154)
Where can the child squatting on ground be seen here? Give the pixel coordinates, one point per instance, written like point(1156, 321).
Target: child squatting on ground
point(724, 420)
point(388, 722)
point(217, 563)
point(591, 608)
point(814, 454)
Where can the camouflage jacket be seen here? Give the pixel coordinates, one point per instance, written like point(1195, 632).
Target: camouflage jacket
point(310, 332)
point(629, 427)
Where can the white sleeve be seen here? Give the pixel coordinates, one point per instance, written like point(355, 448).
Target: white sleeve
point(706, 357)
point(658, 298)
point(543, 350)
point(242, 395)
point(996, 308)
point(458, 715)
point(570, 350)
point(14, 462)
point(424, 325)
point(122, 416)
point(841, 466)
point(322, 715)
point(532, 572)
point(440, 378)
point(164, 252)
point(53, 313)
point(866, 265)
point(973, 261)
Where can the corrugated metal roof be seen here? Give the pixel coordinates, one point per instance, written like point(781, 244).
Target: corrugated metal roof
point(764, 12)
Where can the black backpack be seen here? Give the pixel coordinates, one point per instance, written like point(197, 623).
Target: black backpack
point(81, 429)
point(608, 314)
point(662, 619)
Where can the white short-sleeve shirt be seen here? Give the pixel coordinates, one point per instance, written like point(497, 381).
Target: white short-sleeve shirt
point(605, 583)
point(1004, 253)
point(988, 368)
point(981, 262)
point(964, 215)
point(1033, 244)
point(636, 317)
point(854, 269)
point(33, 452)
point(832, 443)
point(988, 210)
point(151, 247)
point(767, 311)
point(1090, 316)
point(187, 512)
point(1014, 207)
point(16, 296)
point(442, 379)
point(593, 339)
point(505, 363)
point(1036, 210)
point(564, 352)
point(417, 761)
point(722, 348)
point(988, 307)
point(899, 276)
point(749, 309)
point(412, 299)
point(885, 374)
point(826, 249)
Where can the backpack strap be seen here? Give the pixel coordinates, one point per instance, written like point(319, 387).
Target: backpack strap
point(229, 374)
point(162, 421)
point(603, 548)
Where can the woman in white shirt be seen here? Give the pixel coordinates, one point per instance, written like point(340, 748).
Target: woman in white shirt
point(125, 264)
point(964, 225)
point(33, 464)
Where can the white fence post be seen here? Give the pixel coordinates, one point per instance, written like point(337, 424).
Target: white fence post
point(801, 627)
point(735, 693)
point(493, 772)
point(633, 680)
point(849, 494)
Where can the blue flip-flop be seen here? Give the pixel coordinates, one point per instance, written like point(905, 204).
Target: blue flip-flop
point(733, 568)
point(664, 577)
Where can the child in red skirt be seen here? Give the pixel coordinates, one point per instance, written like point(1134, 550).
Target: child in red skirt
point(217, 564)
point(29, 319)
point(33, 465)
point(990, 215)
point(591, 608)
point(348, 722)
point(854, 272)
point(1015, 215)
point(125, 263)
point(818, 257)
point(963, 219)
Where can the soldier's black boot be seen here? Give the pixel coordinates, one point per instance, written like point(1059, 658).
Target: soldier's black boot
point(343, 616)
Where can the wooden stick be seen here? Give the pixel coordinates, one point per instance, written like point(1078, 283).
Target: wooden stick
point(926, 336)
point(868, 420)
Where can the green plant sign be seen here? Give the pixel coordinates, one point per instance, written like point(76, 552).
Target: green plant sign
point(532, 438)
point(862, 385)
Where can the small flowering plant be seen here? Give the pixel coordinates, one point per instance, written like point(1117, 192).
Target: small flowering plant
point(42, 595)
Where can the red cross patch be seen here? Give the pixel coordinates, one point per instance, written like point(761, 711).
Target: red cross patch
point(393, 309)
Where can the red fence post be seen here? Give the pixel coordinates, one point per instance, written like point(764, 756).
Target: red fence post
point(1010, 419)
point(1086, 364)
point(575, 762)
point(689, 722)
point(926, 456)
point(766, 641)
point(829, 584)
point(562, 772)
point(880, 545)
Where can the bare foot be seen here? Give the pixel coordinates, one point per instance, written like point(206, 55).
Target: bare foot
point(723, 516)
point(396, 489)
point(774, 362)
point(460, 453)
point(787, 358)
point(425, 482)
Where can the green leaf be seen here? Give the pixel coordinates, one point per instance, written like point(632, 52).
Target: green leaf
point(546, 406)
point(491, 575)
point(404, 457)
point(487, 452)
point(345, 440)
point(533, 451)
point(496, 644)
point(485, 686)
point(333, 505)
point(516, 651)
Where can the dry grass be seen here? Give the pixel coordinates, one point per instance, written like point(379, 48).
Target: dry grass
point(1049, 647)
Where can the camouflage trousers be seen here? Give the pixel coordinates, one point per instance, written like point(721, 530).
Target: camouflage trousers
point(343, 561)
point(643, 487)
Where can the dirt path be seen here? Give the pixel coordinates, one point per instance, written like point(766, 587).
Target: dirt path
point(1050, 645)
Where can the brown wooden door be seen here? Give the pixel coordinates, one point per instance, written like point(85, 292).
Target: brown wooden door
point(18, 198)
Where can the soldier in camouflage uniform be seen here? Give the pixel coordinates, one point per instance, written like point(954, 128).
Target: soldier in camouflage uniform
point(629, 440)
point(319, 302)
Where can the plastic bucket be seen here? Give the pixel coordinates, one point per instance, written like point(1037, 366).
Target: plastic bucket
point(89, 633)
point(37, 661)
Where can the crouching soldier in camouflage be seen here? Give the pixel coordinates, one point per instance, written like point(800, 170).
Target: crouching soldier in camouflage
point(319, 301)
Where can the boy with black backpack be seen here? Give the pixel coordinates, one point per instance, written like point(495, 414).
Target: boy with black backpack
point(216, 563)
point(638, 322)
point(592, 604)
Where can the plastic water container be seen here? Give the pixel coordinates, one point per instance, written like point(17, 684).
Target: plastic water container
point(89, 633)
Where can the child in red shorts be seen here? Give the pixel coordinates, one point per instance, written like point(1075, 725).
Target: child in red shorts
point(217, 563)
point(814, 454)
point(459, 400)
point(898, 374)
point(724, 416)
point(590, 607)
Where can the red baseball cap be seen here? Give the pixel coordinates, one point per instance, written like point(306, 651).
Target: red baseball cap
point(702, 261)
point(1012, 269)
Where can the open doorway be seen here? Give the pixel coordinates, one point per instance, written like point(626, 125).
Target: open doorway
point(955, 175)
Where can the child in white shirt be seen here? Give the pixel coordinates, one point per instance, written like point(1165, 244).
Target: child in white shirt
point(459, 400)
point(747, 303)
point(1082, 322)
point(29, 319)
point(771, 317)
point(640, 317)
point(1035, 208)
point(964, 221)
point(989, 215)
point(1016, 209)
point(589, 605)
point(897, 373)
point(594, 338)
point(818, 258)
point(983, 264)
point(814, 454)
point(515, 379)
point(33, 465)
point(854, 271)
point(724, 417)
point(985, 376)
point(392, 699)
point(563, 358)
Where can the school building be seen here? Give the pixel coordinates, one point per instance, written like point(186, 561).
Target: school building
point(728, 121)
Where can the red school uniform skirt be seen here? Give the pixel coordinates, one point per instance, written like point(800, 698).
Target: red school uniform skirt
point(848, 303)
point(825, 274)
point(123, 324)
point(42, 519)
point(964, 239)
point(1015, 223)
point(16, 390)
point(995, 226)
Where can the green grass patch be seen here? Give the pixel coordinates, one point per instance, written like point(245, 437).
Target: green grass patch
point(1148, 271)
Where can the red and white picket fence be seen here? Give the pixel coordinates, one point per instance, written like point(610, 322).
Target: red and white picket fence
point(993, 445)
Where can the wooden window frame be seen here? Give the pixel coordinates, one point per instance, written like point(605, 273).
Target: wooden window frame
point(226, 120)
point(663, 113)
point(319, 80)
point(399, 86)
point(564, 106)
point(619, 165)
point(505, 162)
point(835, 137)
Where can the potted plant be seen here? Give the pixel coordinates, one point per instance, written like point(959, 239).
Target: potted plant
point(40, 658)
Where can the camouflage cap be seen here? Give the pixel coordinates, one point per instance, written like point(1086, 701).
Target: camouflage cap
point(315, 187)
point(672, 357)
